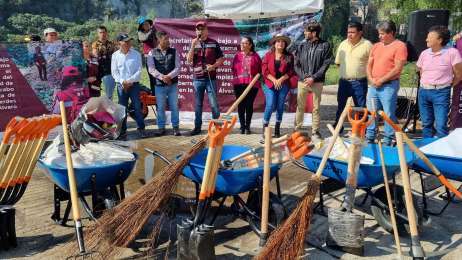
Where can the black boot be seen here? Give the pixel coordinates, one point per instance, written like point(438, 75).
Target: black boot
point(263, 133)
point(277, 130)
point(183, 231)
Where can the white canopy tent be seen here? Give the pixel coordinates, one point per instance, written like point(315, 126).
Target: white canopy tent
point(253, 9)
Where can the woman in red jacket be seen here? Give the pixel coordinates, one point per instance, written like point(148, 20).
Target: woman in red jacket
point(246, 65)
point(278, 72)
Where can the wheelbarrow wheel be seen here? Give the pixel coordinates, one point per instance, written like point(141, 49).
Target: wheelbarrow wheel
point(381, 212)
point(277, 211)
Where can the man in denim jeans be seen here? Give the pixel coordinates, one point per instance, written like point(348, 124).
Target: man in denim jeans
point(440, 69)
point(205, 56)
point(164, 66)
point(105, 48)
point(126, 70)
point(384, 67)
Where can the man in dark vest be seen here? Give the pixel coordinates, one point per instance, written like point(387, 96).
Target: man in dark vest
point(164, 66)
point(205, 56)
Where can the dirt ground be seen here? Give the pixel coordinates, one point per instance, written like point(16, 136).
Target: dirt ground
point(39, 237)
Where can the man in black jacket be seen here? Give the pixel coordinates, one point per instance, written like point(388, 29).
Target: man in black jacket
point(312, 59)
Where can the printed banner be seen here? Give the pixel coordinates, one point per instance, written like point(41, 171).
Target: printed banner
point(456, 105)
point(228, 34)
point(34, 76)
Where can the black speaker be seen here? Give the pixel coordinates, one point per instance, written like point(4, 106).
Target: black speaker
point(419, 23)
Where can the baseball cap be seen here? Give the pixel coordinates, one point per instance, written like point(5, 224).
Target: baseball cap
point(201, 23)
point(123, 37)
point(49, 30)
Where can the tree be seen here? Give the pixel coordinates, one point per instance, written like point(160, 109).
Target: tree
point(335, 18)
point(364, 7)
point(399, 10)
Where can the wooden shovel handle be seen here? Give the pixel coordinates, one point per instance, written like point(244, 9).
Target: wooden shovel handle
point(266, 182)
point(328, 150)
point(70, 166)
point(406, 184)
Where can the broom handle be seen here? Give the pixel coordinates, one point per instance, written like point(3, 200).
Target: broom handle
point(422, 156)
point(326, 154)
point(266, 188)
point(389, 199)
point(416, 248)
point(243, 95)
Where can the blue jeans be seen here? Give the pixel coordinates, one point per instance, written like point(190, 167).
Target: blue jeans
point(200, 86)
point(134, 95)
point(434, 109)
point(164, 94)
point(274, 100)
point(350, 88)
point(109, 85)
point(385, 98)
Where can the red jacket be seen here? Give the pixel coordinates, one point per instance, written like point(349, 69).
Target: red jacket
point(286, 67)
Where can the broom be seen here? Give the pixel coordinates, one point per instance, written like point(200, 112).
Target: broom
point(120, 226)
point(287, 241)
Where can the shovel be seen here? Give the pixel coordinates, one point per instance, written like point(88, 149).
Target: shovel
point(73, 189)
point(346, 229)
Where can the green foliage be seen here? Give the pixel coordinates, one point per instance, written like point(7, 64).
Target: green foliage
point(82, 31)
point(26, 23)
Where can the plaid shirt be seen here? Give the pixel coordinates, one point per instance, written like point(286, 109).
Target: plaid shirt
point(105, 51)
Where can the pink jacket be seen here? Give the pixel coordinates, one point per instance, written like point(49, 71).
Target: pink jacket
point(244, 74)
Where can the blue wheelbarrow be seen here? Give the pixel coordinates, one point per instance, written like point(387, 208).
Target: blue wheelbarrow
point(369, 176)
point(99, 182)
point(235, 184)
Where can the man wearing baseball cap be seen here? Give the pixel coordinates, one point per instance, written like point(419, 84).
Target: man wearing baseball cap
point(205, 56)
point(126, 70)
point(51, 35)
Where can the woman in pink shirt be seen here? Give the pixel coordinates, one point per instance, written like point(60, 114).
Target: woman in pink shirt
point(246, 64)
point(440, 69)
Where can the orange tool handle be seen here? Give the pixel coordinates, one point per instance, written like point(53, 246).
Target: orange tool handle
point(359, 125)
point(422, 156)
point(11, 128)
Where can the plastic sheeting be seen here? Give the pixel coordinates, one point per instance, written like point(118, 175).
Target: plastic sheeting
point(449, 146)
point(253, 9)
point(339, 151)
point(88, 155)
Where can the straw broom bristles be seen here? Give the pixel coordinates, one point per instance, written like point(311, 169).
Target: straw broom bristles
point(120, 226)
point(287, 241)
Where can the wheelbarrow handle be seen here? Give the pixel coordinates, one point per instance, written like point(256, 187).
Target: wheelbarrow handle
point(421, 155)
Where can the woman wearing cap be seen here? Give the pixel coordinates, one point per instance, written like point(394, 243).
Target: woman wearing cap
point(278, 72)
point(246, 64)
point(147, 36)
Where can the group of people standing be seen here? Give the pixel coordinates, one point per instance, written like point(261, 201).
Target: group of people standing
point(368, 73)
